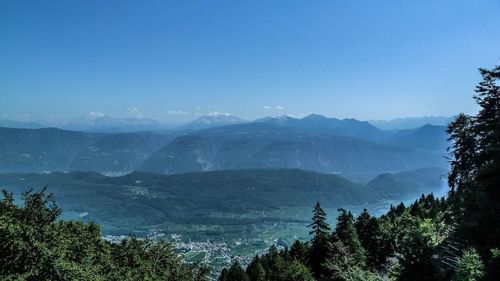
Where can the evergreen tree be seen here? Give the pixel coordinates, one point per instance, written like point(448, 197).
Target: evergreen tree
point(341, 265)
point(371, 238)
point(236, 273)
point(415, 253)
point(299, 251)
point(223, 275)
point(296, 271)
point(346, 232)
point(493, 269)
point(469, 267)
point(321, 235)
point(319, 227)
point(475, 165)
point(255, 270)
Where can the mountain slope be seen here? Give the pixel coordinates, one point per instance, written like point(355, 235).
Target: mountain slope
point(49, 149)
point(119, 152)
point(407, 184)
point(145, 199)
point(37, 150)
point(275, 148)
point(428, 137)
point(140, 200)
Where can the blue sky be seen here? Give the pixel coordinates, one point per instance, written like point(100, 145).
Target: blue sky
point(174, 60)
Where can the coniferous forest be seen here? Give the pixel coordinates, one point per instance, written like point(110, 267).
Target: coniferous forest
point(454, 238)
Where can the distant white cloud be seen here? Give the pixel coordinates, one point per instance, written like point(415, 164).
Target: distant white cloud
point(177, 112)
point(277, 107)
point(96, 114)
point(217, 113)
point(134, 112)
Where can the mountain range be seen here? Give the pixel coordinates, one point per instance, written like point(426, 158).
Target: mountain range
point(352, 148)
point(103, 123)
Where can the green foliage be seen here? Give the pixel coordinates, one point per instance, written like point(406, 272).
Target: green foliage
point(399, 243)
point(321, 235)
point(469, 267)
point(300, 251)
point(340, 262)
point(235, 273)
point(416, 251)
point(475, 166)
point(277, 266)
point(346, 232)
point(256, 271)
point(35, 246)
point(372, 239)
point(493, 269)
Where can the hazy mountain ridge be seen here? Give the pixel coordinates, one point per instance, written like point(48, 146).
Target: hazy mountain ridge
point(212, 120)
point(108, 124)
point(50, 149)
point(119, 152)
point(104, 123)
point(427, 137)
point(315, 142)
point(41, 149)
point(398, 185)
point(411, 122)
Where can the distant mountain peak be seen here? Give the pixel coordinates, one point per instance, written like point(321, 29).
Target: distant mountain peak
point(315, 116)
point(281, 120)
point(213, 119)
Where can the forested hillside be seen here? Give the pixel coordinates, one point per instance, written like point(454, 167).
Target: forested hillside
point(123, 204)
point(35, 245)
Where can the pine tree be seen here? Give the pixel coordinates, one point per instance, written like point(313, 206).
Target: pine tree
point(299, 251)
point(341, 265)
point(255, 270)
point(475, 165)
point(493, 268)
point(346, 232)
point(223, 275)
point(321, 234)
point(368, 230)
point(319, 227)
point(469, 267)
point(415, 252)
point(236, 273)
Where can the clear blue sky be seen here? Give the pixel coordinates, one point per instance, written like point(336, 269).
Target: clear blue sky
point(172, 60)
